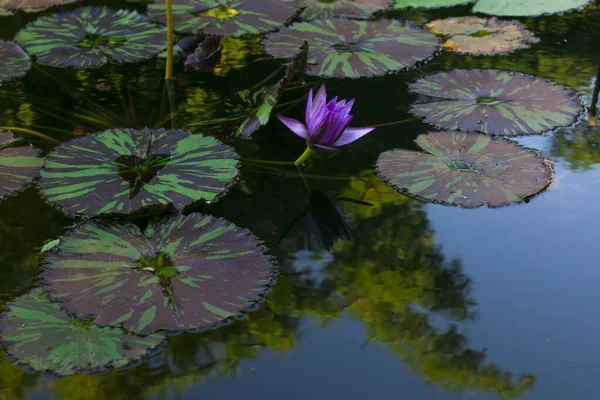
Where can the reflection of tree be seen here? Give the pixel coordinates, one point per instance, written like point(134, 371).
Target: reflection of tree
point(579, 146)
point(14, 381)
point(394, 279)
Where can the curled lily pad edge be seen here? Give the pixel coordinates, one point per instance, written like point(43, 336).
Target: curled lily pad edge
point(538, 154)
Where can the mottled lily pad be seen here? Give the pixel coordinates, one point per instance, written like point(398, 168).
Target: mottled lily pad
point(90, 37)
point(181, 273)
point(121, 171)
point(495, 102)
point(206, 56)
point(318, 9)
point(14, 61)
point(225, 17)
point(39, 333)
point(430, 3)
point(352, 48)
point(31, 5)
point(481, 36)
point(518, 8)
point(466, 169)
point(251, 108)
point(18, 165)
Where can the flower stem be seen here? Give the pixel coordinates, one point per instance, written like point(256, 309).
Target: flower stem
point(307, 153)
point(169, 69)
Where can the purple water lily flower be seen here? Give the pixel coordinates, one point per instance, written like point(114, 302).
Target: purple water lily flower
point(326, 123)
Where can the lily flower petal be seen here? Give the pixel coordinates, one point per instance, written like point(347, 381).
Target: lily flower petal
point(350, 135)
point(323, 147)
point(295, 126)
point(319, 101)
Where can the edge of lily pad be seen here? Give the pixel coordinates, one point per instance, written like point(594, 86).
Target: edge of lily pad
point(570, 10)
point(538, 154)
point(583, 111)
point(242, 314)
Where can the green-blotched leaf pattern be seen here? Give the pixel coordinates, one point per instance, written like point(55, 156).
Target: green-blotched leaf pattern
point(14, 61)
point(31, 5)
point(90, 37)
point(495, 102)
point(226, 17)
point(429, 3)
point(39, 333)
point(466, 169)
point(527, 7)
point(198, 271)
point(351, 48)
point(18, 165)
point(85, 176)
point(316, 9)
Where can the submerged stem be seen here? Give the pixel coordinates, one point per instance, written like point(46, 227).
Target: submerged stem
point(169, 69)
point(30, 132)
point(268, 162)
point(307, 153)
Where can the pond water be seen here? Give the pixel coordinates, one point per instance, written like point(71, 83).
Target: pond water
point(424, 301)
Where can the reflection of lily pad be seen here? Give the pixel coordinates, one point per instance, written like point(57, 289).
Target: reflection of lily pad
point(181, 273)
point(466, 169)
point(472, 35)
point(529, 7)
point(125, 170)
point(225, 17)
point(495, 102)
point(14, 62)
point(38, 332)
point(18, 165)
point(429, 3)
point(351, 49)
point(318, 9)
point(90, 37)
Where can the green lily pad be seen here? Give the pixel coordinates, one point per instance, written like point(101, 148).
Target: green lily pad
point(251, 108)
point(482, 36)
point(182, 273)
point(121, 171)
point(31, 5)
point(90, 37)
point(495, 102)
point(466, 169)
point(352, 48)
point(527, 8)
point(14, 61)
point(39, 333)
point(430, 3)
point(18, 165)
point(318, 9)
point(225, 17)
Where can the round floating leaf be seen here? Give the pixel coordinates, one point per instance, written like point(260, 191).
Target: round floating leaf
point(225, 17)
point(481, 36)
point(318, 9)
point(18, 165)
point(527, 8)
point(351, 49)
point(495, 102)
point(14, 62)
point(181, 273)
point(90, 37)
point(429, 3)
point(38, 332)
point(31, 5)
point(125, 170)
point(466, 169)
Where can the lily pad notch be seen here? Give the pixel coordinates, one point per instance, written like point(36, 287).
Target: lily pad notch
point(182, 273)
point(466, 169)
point(41, 334)
point(123, 171)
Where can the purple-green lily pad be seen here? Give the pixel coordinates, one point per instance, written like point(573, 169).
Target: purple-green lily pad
point(495, 102)
point(122, 171)
point(90, 37)
point(30, 5)
point(355, 48)
point(181, 273)
point(466, 169)
point(18, 165)
point(14, 61)
point(39, 333)
point(318, 9)
point(226, 17)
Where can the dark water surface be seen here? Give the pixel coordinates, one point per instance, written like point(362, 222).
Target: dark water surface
point(425, 301)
